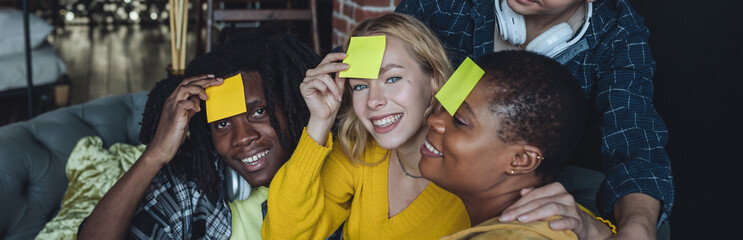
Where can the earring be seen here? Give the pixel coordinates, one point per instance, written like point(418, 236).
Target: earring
point(512, 172)
point(540, 158)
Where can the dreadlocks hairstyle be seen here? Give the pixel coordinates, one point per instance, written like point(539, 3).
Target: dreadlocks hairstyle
point(280, 59)
point(537, 101)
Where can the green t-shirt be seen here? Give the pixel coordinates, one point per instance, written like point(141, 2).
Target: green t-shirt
point(247, 215)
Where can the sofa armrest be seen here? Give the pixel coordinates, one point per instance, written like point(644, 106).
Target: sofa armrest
point(34, 153)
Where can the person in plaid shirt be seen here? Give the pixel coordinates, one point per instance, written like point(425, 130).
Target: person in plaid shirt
point(612, 61)
point(177, 188)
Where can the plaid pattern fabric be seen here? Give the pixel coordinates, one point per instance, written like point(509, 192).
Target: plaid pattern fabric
point(615, 72)
point(174, 209)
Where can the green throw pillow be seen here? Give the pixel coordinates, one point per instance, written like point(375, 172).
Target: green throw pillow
point(91, 171)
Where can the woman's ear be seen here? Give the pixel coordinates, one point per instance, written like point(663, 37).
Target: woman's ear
point(527, 159)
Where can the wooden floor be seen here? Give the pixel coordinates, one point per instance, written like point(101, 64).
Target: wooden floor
point(113, 60)
point(105, 61)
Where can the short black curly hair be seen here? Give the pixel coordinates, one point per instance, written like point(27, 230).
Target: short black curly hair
point(279, 58)
point(537, 101)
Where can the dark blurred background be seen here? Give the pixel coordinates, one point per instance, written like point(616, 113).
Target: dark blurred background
point(697, 47)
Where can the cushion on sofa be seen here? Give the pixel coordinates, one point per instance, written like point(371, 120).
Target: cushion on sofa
point(91, 170)
point(12, 34)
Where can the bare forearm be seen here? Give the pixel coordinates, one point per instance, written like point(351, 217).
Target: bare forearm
point(112, 215)
point(636, 215)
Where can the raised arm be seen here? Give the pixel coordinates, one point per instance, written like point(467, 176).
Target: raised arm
point(323, 95)
point(310, 195)
point(112, 215)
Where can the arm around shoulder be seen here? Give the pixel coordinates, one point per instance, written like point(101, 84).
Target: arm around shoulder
point(637, 216)
point(633, 136)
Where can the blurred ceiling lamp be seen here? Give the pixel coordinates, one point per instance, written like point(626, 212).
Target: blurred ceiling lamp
point(134, 16)
point(121, 13)
point(178, 26)
point(69, 16)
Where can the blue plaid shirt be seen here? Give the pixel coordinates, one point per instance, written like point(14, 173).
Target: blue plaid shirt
point(615, 68)
point(173, 208)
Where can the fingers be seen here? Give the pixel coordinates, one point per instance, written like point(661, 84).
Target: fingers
point(333, 57)
point(529, 207)
point(543, 208)
point(528, 195)
point(321, 73)
point(205, 83)
point(195, 78)
point(332, 87)
point(329, 65)
point(311, 87)
point(525, 191)
point(323, 83)
point(189, 105)
point(195, 86)
point(564, 224)
point(196, 105)
point(326, 69)
point(178, 109)
point(186, 91)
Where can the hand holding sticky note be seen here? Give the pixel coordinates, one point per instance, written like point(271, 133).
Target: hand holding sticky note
point(225, 100)
point(364, 57)
point(459, 85)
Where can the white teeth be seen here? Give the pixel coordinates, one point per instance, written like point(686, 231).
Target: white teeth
point(387, 121)
point(432, 149)
point(252, 160)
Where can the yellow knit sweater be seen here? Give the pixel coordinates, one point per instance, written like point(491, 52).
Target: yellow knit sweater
point(318, 189)
point(495, 229)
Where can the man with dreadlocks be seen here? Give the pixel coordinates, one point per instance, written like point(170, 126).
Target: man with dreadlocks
point(176, 189)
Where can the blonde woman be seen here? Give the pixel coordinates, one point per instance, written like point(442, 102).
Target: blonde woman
point(367, 178)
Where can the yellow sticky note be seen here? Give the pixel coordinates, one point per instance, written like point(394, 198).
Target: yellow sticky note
point(459, 85)
point(225, 100)
point(364, 57)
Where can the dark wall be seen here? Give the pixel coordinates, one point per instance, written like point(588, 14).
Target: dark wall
point(698, 49)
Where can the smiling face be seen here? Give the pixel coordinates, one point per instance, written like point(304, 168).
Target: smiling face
point(392, 107)
point(246, 142)
point(463, 154)
point(543, 7)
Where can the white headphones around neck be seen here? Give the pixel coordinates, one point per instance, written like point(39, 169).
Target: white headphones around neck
point(550, 43)
point(237, 188)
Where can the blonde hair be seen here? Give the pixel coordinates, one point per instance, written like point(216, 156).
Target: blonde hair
point(425, 48)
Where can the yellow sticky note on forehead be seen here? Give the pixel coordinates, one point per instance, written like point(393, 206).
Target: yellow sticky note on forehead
point(459, 85)
point(225, 100)
point(364, 57)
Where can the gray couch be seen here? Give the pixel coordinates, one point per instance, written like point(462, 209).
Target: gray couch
point(33, 155)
